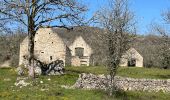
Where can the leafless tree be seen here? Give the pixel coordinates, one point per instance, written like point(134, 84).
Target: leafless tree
point(37, 13)
point(117, 20)
point(9, 46)
point(164, 48)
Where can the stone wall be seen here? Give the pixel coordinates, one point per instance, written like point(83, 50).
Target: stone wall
point(80, 42)
point(75, 61)
point(90, 81)
point(48, 47)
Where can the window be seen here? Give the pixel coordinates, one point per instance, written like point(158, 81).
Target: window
point(79, 52)
point(51, 58)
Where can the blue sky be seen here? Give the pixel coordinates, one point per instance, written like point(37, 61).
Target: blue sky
point(146, 11)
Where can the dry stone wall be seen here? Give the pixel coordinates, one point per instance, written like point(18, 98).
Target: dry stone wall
point(90, 81)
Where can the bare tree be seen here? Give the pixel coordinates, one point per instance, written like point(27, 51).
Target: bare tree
point(9, 46)
point(37, 13)
point(164, 47)
point(118, 22)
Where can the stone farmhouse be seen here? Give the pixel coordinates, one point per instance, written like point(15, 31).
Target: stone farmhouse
point(132, 58)
point(78, 47)
point(49, 47)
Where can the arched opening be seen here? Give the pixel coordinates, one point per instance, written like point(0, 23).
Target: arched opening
point(132, 62)
point(79, 52)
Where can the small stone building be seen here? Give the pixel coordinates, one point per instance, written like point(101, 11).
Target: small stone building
point(132, 59)
point(49, 46)
point(80, 52)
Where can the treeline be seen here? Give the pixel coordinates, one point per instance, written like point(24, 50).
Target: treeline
point(9, 47)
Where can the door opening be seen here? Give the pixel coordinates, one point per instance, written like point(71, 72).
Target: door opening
point(132, 62)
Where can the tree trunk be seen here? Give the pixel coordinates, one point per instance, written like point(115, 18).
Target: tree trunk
point(111, 84)
point(31, 35)
point(31, 56)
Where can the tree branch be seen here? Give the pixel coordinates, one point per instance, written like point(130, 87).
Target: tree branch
point(51, 19)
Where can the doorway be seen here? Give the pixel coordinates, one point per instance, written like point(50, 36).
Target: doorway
point(132, 62)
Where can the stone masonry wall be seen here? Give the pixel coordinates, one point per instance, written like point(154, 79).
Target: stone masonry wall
point(48, 47)
point(90, 81)
point(80, 42)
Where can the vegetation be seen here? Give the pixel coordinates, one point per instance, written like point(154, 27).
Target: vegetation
point(9, 47)
point(118, 22)
point(133, 72)
point(51, 89)
point(165, 42)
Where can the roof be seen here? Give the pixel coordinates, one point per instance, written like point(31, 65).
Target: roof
point(133, 50)
point(89, 34)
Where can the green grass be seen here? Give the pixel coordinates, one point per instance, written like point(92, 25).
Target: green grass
point(88, 69)
point(54, 91)
point(133, 72)
point(153, 73)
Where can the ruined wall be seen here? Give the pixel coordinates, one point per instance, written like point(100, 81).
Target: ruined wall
point(90, 81)
point(48, 46)
point(23, 51)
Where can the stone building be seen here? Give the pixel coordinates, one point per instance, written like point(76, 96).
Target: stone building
point(132, 58)
point(80, 51)
point(49, 46)
point(76, 47)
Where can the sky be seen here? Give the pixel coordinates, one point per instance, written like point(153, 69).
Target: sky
point(146, 11)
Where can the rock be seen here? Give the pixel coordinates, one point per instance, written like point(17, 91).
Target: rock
point(53, 68)
point(67, 87)
point(90, 81)
point(44, 89)
point(7, 79)
point(38, 71)
point(49, 79)
point(6, 64)
point(20, 71)
point(21, 83)
point(41, 82)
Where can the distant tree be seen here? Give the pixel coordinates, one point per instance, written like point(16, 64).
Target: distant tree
point(9, 46)
point(148, 46)
point(164, 48)
point(118, 22)
point(37, 13)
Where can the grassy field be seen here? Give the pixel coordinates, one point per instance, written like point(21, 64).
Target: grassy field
point(51, 89)
point(133, 72)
